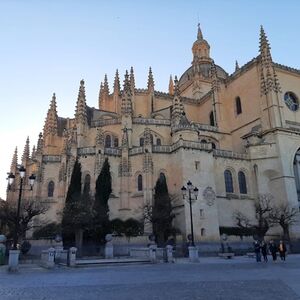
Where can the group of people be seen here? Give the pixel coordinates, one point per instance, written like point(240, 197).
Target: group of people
point(262, 249)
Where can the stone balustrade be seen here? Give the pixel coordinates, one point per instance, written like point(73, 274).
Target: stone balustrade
point(151, 121)
point(104, 122)
point(51, 158)
point(230, 154)
point(87, 151)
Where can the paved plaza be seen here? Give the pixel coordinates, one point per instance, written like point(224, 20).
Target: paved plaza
point(212, 278)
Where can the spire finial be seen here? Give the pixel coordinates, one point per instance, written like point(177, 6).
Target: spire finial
point(199, 34)
point(50, 126)
point(132, 80)
point(14, 162)
point(26, 151)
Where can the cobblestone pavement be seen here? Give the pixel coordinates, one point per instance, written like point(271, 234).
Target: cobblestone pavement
point(212, 278)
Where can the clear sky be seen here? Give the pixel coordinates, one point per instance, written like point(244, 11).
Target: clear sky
point(49, 46)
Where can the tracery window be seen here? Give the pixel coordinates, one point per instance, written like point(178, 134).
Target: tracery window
point(108, 141)
point(50, 189)
point(158, 142)
point(116, 142)
point(228, 181)
point(87, 184)
point(242, 182)
point(141, 142)
point(291, 101)
point(211, 119)
point(140, 182)
point(238, 105)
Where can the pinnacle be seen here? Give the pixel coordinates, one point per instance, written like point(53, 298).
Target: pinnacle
point(237, 67)
point(117, 83)
point(150, 79)
point(171, 86)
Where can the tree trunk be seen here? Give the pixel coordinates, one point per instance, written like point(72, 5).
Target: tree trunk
point(286, 233)
point(78, 241)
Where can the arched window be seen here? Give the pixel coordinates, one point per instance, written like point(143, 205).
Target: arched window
point(50, 189)
point(116, 142)
point(108, 141)
point(238, 105)
point(151, 138)
point(158, 142)
point(87, 184)
point(202, 231)
point(228, 181)
point(141, 142)
point(213, 145)
point(162, 176)
point(242, 182)
point(140, 182)
point(211, 119)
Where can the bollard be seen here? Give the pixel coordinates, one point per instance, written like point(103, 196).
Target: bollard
point(170, 257)
point(13, 260)
point(58, 252)
point(193, 254)
point(50, 259)
point(72, 257)
point(152, 253)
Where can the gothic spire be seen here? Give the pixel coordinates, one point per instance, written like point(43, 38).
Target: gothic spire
point(150, 81)
point(101, 97)
point(177, 107)
point(132, 80)
point(39, 147)
point(26, 152)
point(81, 109)
point(33, 152)
point(171, 86)
point(269, 80)
point(199, 33)
point(50, 126)
point(14, 161)
point(214, 76)
point(126, 106)
point(117, 83)
point(105, 87)
point(237, 67)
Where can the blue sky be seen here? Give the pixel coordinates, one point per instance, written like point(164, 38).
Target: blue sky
point(49, 46)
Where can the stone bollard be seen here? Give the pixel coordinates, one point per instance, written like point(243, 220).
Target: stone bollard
point(50, 259)
point(58, 252)
point(109, 247)
point(152, 253)
point(72, 257)
point(2, 249)
point(170, 257)
point(193, 254)
point(13, 260)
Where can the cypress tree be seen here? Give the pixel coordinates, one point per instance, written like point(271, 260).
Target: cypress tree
point(103, 191)
point(162, 215)
point(77, 213)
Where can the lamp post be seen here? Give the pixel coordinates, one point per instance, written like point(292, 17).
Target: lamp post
point(14, 254)
point(191, 190)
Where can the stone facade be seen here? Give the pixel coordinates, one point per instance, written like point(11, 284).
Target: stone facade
point(209, 122)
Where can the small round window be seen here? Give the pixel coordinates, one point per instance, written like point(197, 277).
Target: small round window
point(291, 101)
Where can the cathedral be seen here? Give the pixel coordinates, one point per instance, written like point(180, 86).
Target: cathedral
point(234, 136)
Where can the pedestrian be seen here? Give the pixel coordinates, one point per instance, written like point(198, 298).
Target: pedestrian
point(273, 249)
point(282, 250)
point(257, 251)
point(264, 251)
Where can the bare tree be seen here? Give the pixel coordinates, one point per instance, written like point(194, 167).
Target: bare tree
point(263, 212)
point(285, 216)
point(29, 210)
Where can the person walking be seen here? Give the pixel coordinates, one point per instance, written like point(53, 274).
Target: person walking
point(257, 251)
point(273, 249)
point(282, 250)
point(264, 251)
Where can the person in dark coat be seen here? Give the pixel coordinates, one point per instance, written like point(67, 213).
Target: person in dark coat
point(273, 249)
point(257, 251)
point(282, 250)
point(264, 251)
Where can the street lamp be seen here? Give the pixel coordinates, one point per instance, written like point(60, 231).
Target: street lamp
point(11, 178)
point(190, 190)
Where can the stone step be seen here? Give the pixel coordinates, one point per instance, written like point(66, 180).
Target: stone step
point(103, 261)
